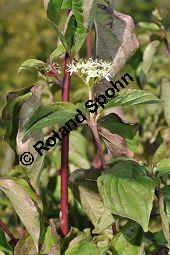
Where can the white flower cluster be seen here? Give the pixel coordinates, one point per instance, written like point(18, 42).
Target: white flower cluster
point(91, 71)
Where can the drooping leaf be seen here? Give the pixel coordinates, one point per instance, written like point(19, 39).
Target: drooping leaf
point(24, 207)
point(83, 248)
point(103, 243)
point(74, 232)
point(160, 153)
point(128, 241)
point(84, 186)
point(10, 116)
point(47, 115)
point(163, 167)
point(89, 8)
point(31, 193)
point(115, 143)
point(164, 217)
point(53, 8)
point(127, 192)
point(149, 26)
point(81, 236)
point(70, 31)
point(116, 40)
point(148, 58)
point(31, 64)
point(118, 126)
point(51, 243)
point(81, 31)
point(27, 111)
point(166, 194)
point(4, 246)
point(60, 50)
point(148, 55)
point(128, 97)
point(56, 6)
point(78, 150)
point(122, 128)
point(156, 238)
point(81, 18)
point(165, 94)
point(25, 246)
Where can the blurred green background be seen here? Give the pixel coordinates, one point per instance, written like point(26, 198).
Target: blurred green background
point(26, 33)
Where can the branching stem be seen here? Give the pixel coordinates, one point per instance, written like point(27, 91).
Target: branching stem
point(93, 127)
point(5, 228)
point(64, 222)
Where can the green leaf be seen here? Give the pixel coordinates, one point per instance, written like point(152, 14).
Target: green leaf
point(53, 8)
point(160, 153)
point(52, 114)
point(118, 126)
point(148, 55)
point(31, 193)
point(27, 111)
point(149, 26)
point(127, 192)
point(21, 105)
point(51, 242)
point(116, 40)
point(89, 9)
point(74, 232)
point(128, 97)
point(31, 64)
point(128, 241)
point(60, 50)
point(83, 248)
point(81, 31)
point(81, 236)
point(10, 116)
point(24, 207)
point(84, 186)
point(4, 246)
point(70, 32)
point(80, 19)
point(78, 150)
point(129, 131)
point(165, 94)
point(25, 246)
point(166, 194)
point(164, 218)
point(148, 58)
point(163, 167)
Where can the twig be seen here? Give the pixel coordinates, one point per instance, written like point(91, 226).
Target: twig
point(165, 41)
point(64, 222)
point(5, 228)
point(98, 143)
point(88, 45)
point(93, 126)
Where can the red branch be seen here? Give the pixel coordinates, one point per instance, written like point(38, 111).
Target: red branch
point(88, 45)
point(4, 227)
point(64, 223)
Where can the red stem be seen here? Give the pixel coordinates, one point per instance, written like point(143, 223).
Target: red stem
point(4, 227)
point(64, 223)
point(98, 143)
point(88, 45)
point(165, 40)
point(93, 125)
